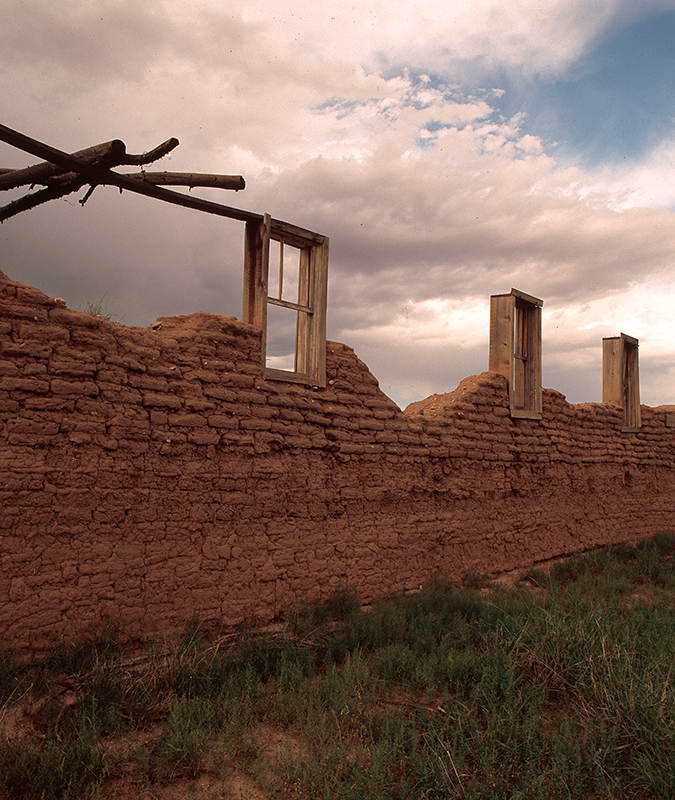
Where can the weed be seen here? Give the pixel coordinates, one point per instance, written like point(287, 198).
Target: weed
point(96, 308)
point(54, 768)
point(562, 686)
point(181, 748)
point(80, 656)
point(10, 676)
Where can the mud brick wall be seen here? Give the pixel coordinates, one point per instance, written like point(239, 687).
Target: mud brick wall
point(150, 474)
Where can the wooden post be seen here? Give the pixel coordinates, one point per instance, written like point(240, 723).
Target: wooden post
point(256, 268)
point(621, 378)
point(319, 292)
point(501, 334)
point(516, 350)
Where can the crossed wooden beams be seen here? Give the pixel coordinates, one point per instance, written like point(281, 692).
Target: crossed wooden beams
point(62, 173)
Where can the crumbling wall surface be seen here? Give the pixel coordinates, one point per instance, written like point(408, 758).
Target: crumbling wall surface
point(150, 474)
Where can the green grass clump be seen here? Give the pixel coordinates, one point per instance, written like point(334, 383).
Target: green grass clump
point(560, 686)
point(97, 308)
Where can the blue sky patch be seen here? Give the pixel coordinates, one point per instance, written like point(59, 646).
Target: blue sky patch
point(617, 103)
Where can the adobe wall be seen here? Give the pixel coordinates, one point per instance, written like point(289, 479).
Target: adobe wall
point(148, 474)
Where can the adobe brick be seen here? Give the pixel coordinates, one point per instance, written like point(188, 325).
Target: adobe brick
point(252, 397)
point(396, 449)
point(187, 420)
point(298, 442)
point(218, 364)
point(351, 398)
point(219, 393)
point(371, 424)
point(71, 318)
point(222, 421)
point(349, 448)
point(284, 428)
point(108, 374)
point(247, 366)
point(29, 294)
point(384, 413)
point(198, 404)
point(43, 332)
point(255, 424)
point(8, 368)
point(84, 425)
point(202, 375)
point(79, 438)
point(233, 437)
point(386, 437)
point(381, 402)
point(73, 389)
point(317, 419)
point(65, 352)
point(102, 339)
point(267, 440)
point(291, 415)
point(187, 359)
point(236, 380)
point(153, 399)
point(27, 349)
point(49, 404)
point(264, 412)
point(337, 411)
point(35, 368)
point(32, 385)
point(15, 310)
point(34, 427)
point(285, 400)
point(187, 389)
point(75, 369)
point(127, 363)
point(336, 434)
point(146, 381)
point(204, 437)
point(346, 423)
point(163, 371)
point(119, 395)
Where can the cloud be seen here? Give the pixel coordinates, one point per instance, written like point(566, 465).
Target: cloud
point(447, 34)
point(479, 200)
point(368, 124)
point(645, 182)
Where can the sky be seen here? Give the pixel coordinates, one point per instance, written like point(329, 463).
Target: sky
point(449, 149)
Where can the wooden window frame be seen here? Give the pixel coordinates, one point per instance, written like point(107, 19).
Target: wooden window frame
point(310, 344)
point(516, 350)
point(310, 337)
point(621, 378)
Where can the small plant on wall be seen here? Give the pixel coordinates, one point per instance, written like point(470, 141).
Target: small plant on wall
point(97, 308)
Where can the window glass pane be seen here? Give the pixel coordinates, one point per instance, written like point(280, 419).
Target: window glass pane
point(284, 272)
point(273, 272)
point(291, 274)
point(281, 325)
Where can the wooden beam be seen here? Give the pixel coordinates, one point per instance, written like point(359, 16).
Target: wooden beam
point(96, 176)
point(107, 154)
point(191, 179)
point(107, 178)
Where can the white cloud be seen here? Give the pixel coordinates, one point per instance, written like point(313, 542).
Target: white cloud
point(431, 199)
point(649, 182)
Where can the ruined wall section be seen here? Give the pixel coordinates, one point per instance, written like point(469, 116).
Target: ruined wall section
point(149, 474)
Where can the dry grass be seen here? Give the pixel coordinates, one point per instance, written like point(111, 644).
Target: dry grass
point(554, 683)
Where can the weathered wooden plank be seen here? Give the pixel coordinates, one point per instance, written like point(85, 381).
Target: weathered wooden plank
point(191, 179)
point(107, 154)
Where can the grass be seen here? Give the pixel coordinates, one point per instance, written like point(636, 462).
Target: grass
point(97, 308)
point(559, 686)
